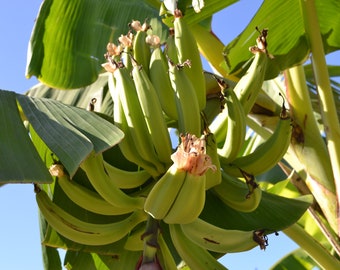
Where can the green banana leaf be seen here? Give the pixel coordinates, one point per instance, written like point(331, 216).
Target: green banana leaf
point(71, 133)
point(69, 38)
point(19, 160)
point(274, 213)
point(287, 40)
point(297, 260)
point(92, 261)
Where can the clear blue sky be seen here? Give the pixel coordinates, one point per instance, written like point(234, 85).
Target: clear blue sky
point(19, 238)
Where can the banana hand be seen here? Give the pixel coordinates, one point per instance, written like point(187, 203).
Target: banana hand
point(266, 155)
point(89, 199)
point(83, 232)
point(101, 182)
point(126, 179)
point(189, 201)
point(164, 193)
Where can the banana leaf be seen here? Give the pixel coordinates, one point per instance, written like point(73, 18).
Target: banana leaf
point(19, 160)
point(70, 132)
point(287, 40)
point(297, 260)
point(69, 38)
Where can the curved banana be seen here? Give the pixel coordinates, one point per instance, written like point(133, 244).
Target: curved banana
point(249, 86)
point(235, 193)
point(164, 192)
point(187, 49)
point(189, 202)
point(213, 238)
point(94, 168)
point(153, 114)
point(219, 126)
point(135, 117)
point(164, 255)
point(189, 118)
point(266, 155)
point(160, 79)
point(236, 127)
point(193, 255)
point(88, 199)
point(128, 144)
point(83, 232)
point(214, 106)
point(213, 177)
point(126, 179)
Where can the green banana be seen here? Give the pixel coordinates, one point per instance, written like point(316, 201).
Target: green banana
point(266, 155)
point(160, 79)
point(164, 255)
point(249, 86)
point(94, 168)
point(128, 144)
point(134, 241)
point(163, 194)
point(126, 179)
point(187, 49)
point(236, 127)
point(189, 202)
point(213, 238)
point(219, 126)
point(189, 119)
point(83, 232)
point(193, 255)
point(213, 177)
point(153, 114)
point(214, 106)
point(135, 117)
point(141, 49)
point(170, 48)
point(234, 193)
point(88, 199)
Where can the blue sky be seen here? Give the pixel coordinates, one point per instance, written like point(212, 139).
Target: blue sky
point(20, 239)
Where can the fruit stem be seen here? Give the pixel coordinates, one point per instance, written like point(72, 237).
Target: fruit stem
point(150, 238)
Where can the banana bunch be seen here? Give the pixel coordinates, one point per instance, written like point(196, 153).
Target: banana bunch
point(155, 88)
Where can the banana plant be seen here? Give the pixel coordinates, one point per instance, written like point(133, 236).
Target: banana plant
point(140, 159)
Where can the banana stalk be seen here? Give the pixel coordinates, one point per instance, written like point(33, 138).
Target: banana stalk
point(308, 147)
